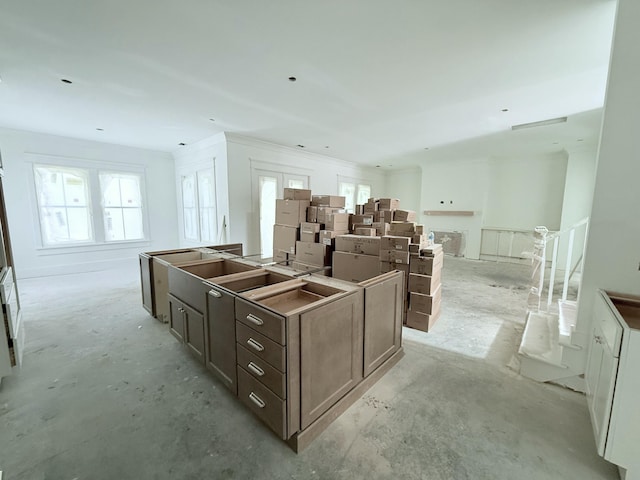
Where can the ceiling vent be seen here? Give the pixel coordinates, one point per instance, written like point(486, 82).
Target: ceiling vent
point(541, 123)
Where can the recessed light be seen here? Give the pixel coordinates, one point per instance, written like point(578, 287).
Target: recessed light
point(292, 79)
point(212, 119)
point(64, 80)
point(377, 166)
point(556, 143)
point(100, 129)
point(326, 146)
point(182, 144)
point(505, 109)
point(581, 139)
point(301, 146)
point(426, 148)
point(391, 165)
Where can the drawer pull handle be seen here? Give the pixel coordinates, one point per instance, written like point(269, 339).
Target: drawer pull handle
point(255, 369)
point(256, 320)
point(257, 400)
point(255, 345)
point(215, 293)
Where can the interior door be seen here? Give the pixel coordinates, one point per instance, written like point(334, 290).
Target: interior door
point(267, 186)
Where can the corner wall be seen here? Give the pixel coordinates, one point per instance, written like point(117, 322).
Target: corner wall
point(611, 260)
point(30, 259)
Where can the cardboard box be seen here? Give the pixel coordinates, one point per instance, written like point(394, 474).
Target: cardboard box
point(285, 238)
point(391, 242)
point(426, 265)
point(361, 219)
point(313, 253)
point(421, 303)
point(359, 210)
point(385, 216)
point(309, 232)
point(358, 244)
point(327, 237)
point(297, 194)
point(354, 267)
point(291, 212)
point(389, 204)
point(420, 230)
point(421, 240)
point(382, 228)
point(432, 250)
point(389, 267)
point(404, 216)
point(337, 222)
point(425, 284)
point(402, 228)
point(371, 207)
point(328, 201)
point(282, 257)
point(324, 213)
point(394, 256)
point(421, 321)
point(303, 267)
point(367, 232)
point(312, 214)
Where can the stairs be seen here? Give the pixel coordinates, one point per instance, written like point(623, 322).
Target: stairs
point(548, 351)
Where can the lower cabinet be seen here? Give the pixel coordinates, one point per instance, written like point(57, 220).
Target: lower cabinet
point(613, 383)
point(187, 324)
point(221, 337)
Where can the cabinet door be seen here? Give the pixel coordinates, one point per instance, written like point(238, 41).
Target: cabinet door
point(331, 338)
point(146, 282)
point(176, 318)
point(383, 307)
point(221, 337)
point(600, 377)
point(194, 332)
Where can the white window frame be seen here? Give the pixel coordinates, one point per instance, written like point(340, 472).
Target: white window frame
point(357, 183)
point(193, 170)
point(93, 168)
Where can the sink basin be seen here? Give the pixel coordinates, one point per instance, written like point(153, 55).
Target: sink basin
point(243, 281)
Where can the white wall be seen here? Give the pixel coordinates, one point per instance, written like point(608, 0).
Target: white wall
point(508, 193)
point(204, 154)
point(405, 185)
point(525, 192)
point(18, 149)
point(613, 248)
point(578, 189)
point(322, 170)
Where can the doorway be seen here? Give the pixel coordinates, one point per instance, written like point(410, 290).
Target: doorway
point(267, 186)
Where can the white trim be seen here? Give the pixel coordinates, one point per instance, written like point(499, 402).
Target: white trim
point(77, 162)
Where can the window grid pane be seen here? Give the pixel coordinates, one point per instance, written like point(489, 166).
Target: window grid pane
point(122, 210)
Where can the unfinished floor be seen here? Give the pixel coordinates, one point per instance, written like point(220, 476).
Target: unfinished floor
point(107, 393)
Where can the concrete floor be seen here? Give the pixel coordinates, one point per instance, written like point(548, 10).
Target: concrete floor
point(107, 393)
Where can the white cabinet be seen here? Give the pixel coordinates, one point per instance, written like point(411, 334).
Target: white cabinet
point(613, 383)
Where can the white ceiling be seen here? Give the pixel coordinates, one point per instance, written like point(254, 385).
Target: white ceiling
point(378, 81)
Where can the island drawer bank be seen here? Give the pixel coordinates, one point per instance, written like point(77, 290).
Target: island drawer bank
point(296, 350)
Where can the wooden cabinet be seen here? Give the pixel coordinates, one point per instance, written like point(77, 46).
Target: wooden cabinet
point(187, 325)
point(613, 385)
point(221, 337)
point(297, 352)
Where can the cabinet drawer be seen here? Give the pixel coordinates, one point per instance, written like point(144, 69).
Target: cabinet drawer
point(262, 371)
point(263, 402)
point(261, 320)
point(261, 346)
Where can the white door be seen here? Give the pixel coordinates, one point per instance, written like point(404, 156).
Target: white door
point(267, 186)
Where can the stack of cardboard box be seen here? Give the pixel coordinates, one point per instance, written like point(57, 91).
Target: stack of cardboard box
point(356, 257)
point(325, 218)
point(425, 287)
point(290, 213)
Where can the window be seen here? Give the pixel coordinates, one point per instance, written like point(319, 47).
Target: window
point(88, 206)
point(199, 206)
point(355, 193)
point(121, 206)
